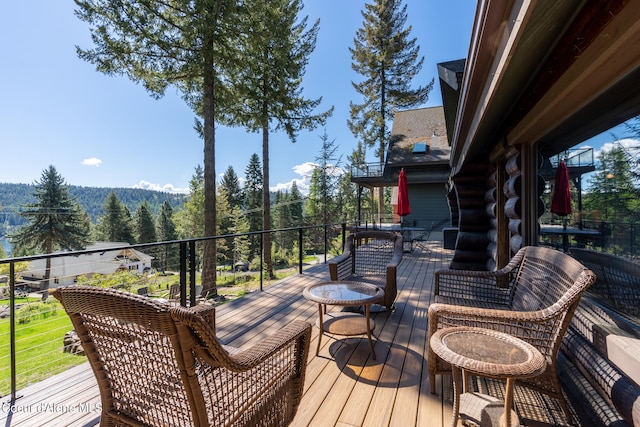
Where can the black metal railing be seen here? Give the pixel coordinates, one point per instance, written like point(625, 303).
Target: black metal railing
point(616, 238)
point(368, 170)
point(152, 269)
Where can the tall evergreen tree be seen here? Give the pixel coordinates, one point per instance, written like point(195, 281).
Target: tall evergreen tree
point(313, 207)
point(296, 206)
point(185, 44)
point(225, 226)
point(253, 198)
point(357, 161)
point(329, 172)
point(190, 220)
point(231, 185)
point(241, 244)
point(614, 196)
point(276, 49)
point(55, 220)
point(165, 232)
point(282, 219)
point(388, 61)
point(114, 225)
point(145, 225)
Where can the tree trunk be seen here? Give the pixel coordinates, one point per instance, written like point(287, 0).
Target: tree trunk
point(266, 204)
point(209, 254)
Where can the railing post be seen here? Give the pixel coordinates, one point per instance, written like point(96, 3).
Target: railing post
point(12, 331)
point(183, 274)
point(261, 257)
point(192, 273)
point(300, 250)
point(326, 246)
point(344, 235)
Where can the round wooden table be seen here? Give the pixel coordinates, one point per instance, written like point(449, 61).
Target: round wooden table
point(345, 293)
point(490, 354)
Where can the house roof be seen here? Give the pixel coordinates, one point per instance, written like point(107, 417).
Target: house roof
point(547, 73)
point(105, 262)
point(412, 131)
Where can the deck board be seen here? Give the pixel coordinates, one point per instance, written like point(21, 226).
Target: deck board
point(344, 386)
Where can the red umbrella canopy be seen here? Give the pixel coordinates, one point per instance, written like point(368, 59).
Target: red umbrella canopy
point(561, 201)
point(403, 195)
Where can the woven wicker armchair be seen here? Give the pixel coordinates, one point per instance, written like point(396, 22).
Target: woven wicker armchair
point(373, 257)
point(532, 298)
point(157, 364)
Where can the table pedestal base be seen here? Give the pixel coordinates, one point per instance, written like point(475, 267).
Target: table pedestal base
point(346, 324)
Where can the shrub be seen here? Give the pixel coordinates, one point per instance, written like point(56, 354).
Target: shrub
point(34, 311)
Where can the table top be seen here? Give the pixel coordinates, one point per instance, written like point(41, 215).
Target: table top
point(343, 293)
point(486, 352)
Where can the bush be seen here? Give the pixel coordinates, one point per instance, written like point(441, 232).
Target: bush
point(35, 311)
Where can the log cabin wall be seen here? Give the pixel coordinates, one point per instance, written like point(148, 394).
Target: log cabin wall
point(491, 200)
point(514, 191)
point(513, 206)
point(471, 252)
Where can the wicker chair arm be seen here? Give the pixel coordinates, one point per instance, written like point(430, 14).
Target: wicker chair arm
point(502, 277)
point(264, 350)
point(208, 312)
point(482, 286)
point(397, 257)
point(340, 264)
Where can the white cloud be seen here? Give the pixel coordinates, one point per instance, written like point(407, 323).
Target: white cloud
point(167, 188)
point(625, 143)
point(302, 184)
point(93, 161)
point(305, 170)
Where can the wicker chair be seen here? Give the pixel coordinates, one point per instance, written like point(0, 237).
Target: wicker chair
point(158, 364)
point(532, 298)
point(373, 257)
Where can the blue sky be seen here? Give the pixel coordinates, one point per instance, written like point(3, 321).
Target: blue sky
point(101, 131)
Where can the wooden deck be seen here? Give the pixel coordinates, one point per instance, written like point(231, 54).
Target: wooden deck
point(343, 387)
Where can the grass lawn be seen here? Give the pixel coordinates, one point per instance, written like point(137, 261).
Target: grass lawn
point(39, 352)
point(19, 300)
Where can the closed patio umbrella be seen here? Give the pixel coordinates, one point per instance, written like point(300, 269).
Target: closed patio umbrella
point(403, 196)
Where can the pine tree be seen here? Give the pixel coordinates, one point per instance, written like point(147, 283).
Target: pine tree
point(190, 220)
point(253, 199)
point(388, 60)
point(282, 219)
point(241, 244)
point(184, 44)
point(296, 206)
point(145, 225)
point(613, 193)
point(165, 232)
point(329, 172)
point(275, 52)
point(114, 225)
point(231, 185)
point(55, 220)
point(225, 226)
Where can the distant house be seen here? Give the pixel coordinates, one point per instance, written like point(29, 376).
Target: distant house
point(419, 145)
point(65, 270)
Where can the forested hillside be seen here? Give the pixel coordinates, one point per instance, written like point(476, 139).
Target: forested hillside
point(14, 196)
